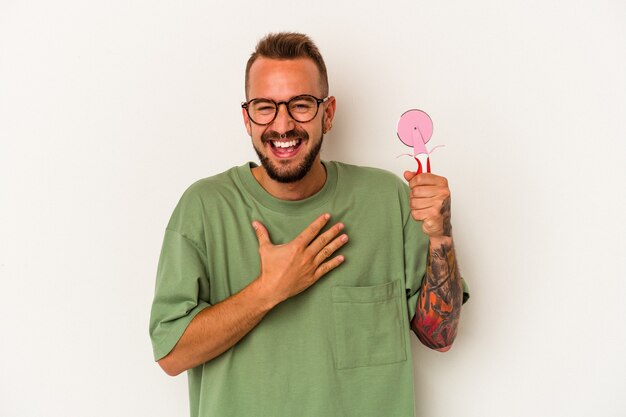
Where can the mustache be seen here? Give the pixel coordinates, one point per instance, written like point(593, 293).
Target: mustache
point(292, 134)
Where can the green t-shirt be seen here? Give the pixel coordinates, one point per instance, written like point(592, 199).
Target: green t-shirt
point(340, 348)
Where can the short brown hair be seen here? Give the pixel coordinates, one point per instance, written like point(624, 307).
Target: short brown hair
point(289, 45)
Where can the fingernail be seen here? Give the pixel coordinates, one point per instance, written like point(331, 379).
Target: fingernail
point(344, 238)
point(327, 216)
point(255, 225)
point(340, 258)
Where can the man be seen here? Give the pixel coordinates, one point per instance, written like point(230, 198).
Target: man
point(288, 289)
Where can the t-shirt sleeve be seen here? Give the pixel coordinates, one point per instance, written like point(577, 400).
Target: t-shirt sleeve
point(415, 258)
point(181, 292)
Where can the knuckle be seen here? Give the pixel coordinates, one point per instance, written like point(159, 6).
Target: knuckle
point(299, 240)
point(323, 269)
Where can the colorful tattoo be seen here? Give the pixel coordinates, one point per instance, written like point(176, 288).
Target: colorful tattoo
point(439, 304)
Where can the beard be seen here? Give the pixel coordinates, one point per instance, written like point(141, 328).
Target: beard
point(296, 173)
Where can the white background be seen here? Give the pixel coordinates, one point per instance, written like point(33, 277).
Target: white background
point(110, 109)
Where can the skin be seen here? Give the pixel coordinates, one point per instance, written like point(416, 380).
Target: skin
point(281, 80)
point(439, 305)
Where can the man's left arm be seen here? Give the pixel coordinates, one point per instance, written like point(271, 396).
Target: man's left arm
point(439, 304)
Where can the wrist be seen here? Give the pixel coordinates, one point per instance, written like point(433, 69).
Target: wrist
point(264, 296)
point(438, 241)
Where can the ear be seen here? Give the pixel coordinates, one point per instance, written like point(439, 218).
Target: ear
point(329, 113)
point(246, 121)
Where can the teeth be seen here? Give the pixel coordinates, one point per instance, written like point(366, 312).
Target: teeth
point(289, 144)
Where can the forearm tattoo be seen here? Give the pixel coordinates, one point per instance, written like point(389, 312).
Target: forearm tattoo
point(439, 304)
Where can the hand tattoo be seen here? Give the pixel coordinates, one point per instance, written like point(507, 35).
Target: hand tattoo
point(446, 213)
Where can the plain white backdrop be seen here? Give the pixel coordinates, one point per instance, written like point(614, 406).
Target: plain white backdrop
point(110, 109)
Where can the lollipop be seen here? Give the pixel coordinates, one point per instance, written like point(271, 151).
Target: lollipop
point(415, 128)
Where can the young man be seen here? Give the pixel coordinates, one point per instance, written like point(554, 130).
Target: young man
point(288, 289)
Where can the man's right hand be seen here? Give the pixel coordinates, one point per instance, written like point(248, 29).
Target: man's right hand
point(289, 269)
point(286, 270)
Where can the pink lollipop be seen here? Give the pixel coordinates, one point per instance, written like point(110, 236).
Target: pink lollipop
point(415, 128)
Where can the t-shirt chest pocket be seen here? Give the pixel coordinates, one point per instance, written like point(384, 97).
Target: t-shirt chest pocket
point(368, 325)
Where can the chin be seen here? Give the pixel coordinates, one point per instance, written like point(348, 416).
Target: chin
point(287, 175)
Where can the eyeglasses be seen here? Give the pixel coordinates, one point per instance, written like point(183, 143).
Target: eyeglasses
point(302, 109)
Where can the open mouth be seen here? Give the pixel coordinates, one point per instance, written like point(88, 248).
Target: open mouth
point(285, 148)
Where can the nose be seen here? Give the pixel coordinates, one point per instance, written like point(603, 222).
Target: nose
point(283, 122)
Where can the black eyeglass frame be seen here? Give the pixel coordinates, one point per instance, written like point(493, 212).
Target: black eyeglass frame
point(246, 104)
